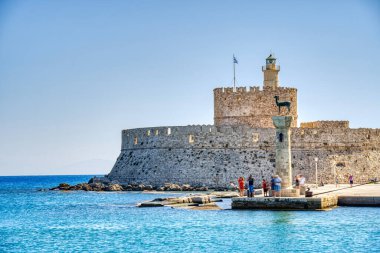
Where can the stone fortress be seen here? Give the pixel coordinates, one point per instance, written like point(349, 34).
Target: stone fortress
point(242, 142)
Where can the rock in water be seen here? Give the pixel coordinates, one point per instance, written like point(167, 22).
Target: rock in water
point(148, 188)
point(113, 187)
point(85, 187)
point(64, 186)
point(97, 186)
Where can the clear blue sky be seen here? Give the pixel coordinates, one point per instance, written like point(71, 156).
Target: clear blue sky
point(73, 74)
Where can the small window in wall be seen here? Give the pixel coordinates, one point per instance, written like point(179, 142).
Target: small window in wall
point(169, 131)
point(255, 137)
point(191, 138)
point(210, 129)
point(135, 140)
point(156, 132)
point(148, 132)
point(281, 137)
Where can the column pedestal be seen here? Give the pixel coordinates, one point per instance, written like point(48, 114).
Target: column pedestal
point(284, 156)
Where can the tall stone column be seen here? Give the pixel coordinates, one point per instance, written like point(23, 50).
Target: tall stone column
point(283, 149)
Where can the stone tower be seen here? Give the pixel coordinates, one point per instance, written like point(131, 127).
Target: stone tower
point(254, 106)
point(271, 72)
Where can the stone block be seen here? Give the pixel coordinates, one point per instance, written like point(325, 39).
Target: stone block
point(294, 193)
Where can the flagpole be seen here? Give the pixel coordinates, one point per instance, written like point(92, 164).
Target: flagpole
point(233, 60)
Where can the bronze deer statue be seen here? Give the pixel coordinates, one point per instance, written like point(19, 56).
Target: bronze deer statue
point(282, 104)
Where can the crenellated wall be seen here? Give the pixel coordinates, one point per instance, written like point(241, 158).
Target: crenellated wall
point(252, 106)
point(216, 155)
point(326, 124)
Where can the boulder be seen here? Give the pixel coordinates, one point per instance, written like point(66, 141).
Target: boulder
point(187, 187)
point(202, 188)
point(172, 187)
point(179, 200)
point(113, 187)
point(85, 187)
point(139, 187)
point(200, 199)
point(127, 187)
point(64, 186)
point(148, 188)
point(97, 186)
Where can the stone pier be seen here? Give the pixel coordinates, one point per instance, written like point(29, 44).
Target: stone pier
point(321, 203)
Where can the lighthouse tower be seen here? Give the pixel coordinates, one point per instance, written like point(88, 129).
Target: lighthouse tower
point(271, 72)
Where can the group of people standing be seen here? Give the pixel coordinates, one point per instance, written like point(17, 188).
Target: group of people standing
point(274, 184)
point(251, 186)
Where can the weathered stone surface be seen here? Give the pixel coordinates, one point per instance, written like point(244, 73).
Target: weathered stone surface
point(359, 201)
point(293, 193)
point(201, 199)
point(283, 149)
point(219, 157)
point(187, 187)
point(64, 186)
point(172, 187)
point(97, 186)
point(285, 203)
point(85, 187)
point(326, 124)
point(113, 187)
point(253, 107)
point(183, 201)
point(148, 188)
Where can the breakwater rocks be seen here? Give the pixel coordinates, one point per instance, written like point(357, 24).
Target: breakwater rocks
point(114, 186)
point(192, 201)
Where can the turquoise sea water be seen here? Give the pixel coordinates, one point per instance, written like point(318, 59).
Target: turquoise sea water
point(35, 221)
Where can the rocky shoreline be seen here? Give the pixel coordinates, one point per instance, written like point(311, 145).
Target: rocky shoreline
point(97, 185)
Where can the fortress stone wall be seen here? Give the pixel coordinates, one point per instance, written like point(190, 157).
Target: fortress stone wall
point(214, 156)
point(252, 106)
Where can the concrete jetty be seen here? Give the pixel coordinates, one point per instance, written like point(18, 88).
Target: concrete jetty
point(285, 203)
point(325, 197)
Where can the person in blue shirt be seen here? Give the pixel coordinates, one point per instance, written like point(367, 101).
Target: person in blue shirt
point(251, 190)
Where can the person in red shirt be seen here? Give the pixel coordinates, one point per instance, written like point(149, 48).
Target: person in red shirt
point(265, 188)
point(241, 186)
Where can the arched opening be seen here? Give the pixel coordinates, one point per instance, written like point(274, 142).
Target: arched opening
point(281, 137)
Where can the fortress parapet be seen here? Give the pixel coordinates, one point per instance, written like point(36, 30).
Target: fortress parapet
point(214, 156)
point(326, 124)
